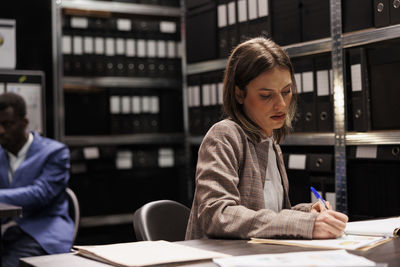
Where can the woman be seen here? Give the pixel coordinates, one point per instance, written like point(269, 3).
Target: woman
point(241, 183)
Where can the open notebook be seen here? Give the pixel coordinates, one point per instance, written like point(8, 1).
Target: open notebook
point(361, 235)
point(145, 253)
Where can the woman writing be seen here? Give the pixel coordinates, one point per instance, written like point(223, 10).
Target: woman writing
point(241, 182)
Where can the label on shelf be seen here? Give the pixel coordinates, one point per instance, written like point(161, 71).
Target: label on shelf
point(79, 22)
point(263, 10)
point(66, 45)
point(91, 152)
point(322, 83)
point(222, 18)
point(252, 9)
point(166, 157)
point(167, 27)
point(78, 45)
point(88, 45)
point(123, 160)
point(356, 78)
point(124, 24)
point(308, 81)
point(130, 47)
point(297, 162)
point(366, 152)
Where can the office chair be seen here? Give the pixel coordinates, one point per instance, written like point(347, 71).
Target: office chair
point(74, 210)
point(161, 220)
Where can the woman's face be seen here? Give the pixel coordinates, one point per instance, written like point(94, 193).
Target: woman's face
point(267, 100)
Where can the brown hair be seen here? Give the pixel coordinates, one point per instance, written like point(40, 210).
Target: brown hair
point(247, 61)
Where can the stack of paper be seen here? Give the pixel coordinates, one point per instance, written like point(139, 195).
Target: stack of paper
point(145, 253)
point(309, 258)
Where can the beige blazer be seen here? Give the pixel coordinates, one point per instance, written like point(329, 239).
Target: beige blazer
point(229, 196)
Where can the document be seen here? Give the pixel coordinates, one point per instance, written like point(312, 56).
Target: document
point(145, 253)
point(308, 258)
point(382, 227)
point(360, 235)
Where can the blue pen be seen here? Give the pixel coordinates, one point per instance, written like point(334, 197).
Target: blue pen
point(320, 199)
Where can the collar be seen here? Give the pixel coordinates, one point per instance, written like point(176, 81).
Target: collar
point(22, 152)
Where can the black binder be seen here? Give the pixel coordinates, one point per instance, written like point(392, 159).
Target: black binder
point(201, 33)
point(195, 112)
point(394, 12)
point(324, 115)
point(315, 19)
point(223, 35)
point(286, 21)
point(384, 65)
point(381, 13)
point(357, 14)
point(306, 101)
point(358, 88)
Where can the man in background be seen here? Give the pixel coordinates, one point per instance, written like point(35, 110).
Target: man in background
point(34, 173)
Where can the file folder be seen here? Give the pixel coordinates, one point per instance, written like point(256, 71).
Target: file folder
point(381, 13)
point(223, 35)
point(324, 115)
point(286, 21)
point(201, 33)
point(315, 19)
point(307, 99)
point(358, 88)
point(384, 63)
point(394, 12)
point(357, 15)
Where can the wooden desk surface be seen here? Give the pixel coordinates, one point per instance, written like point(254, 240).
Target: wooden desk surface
point(385, 253)
point(7, 210)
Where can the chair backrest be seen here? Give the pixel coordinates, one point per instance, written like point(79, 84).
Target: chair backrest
point(74, 209)
point(161, 220)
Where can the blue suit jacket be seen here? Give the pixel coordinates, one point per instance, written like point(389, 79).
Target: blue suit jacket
point(38, 186)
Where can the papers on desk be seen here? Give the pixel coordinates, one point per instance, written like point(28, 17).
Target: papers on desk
point(308, 258)
point(352, 242)
point(381, 227)
point(145, 253)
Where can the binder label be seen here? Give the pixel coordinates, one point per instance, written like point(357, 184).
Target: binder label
point(297, 77)
point(99, 45)
point(213, 94)
point(124, 25)
point(88, 45)
point(263, 10)
point(322, 83)
point(206, 94)
point(141, 46)
point(78, 45)
point(222, 19)
point(91, 152)
point(126, 105)
point(242, 9)
point(115, 104)
point(308, 82)
point(167, 27)
point(297, 162)
point(220, 93)
point(161, 49)
point(66, 45)
point(366, 152)
point(151, 48)
point(130, 48)
point(79, 22)
point(110, 47)
point(231, 13)
point(120, 46)
point(356, 83)
point(252, 9)
point(136, 107)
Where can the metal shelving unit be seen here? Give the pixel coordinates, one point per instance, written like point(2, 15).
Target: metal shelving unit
point(129, 139)
point(141, 82)
point(119, 7)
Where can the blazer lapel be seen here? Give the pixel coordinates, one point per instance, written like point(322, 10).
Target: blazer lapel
point(262, 156)
point(4, 166)
point(282, 170)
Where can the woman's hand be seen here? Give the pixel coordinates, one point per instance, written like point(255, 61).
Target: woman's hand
point(319, 207)
point(329, 224)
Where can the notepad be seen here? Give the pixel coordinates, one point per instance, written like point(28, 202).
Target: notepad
point(361, 235)
point(145, 253)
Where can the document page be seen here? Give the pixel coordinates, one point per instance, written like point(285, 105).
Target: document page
point(145, 253)
point(351, 242)
point(308, 258)
point(381, 227)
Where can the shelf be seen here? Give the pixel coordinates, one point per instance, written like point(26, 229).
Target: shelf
point(93, 221)
point(129, 139)
point(126, 8)
point(356, 38)
point(309, 48)
point(370, 36)
point(122, 82)
point(205, 66)
point(312, 139)
point(373, 138)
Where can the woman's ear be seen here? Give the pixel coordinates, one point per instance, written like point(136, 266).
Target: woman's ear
point(239, 95)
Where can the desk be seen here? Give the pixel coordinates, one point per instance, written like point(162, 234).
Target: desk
point(8, 211)
point(388, 253)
